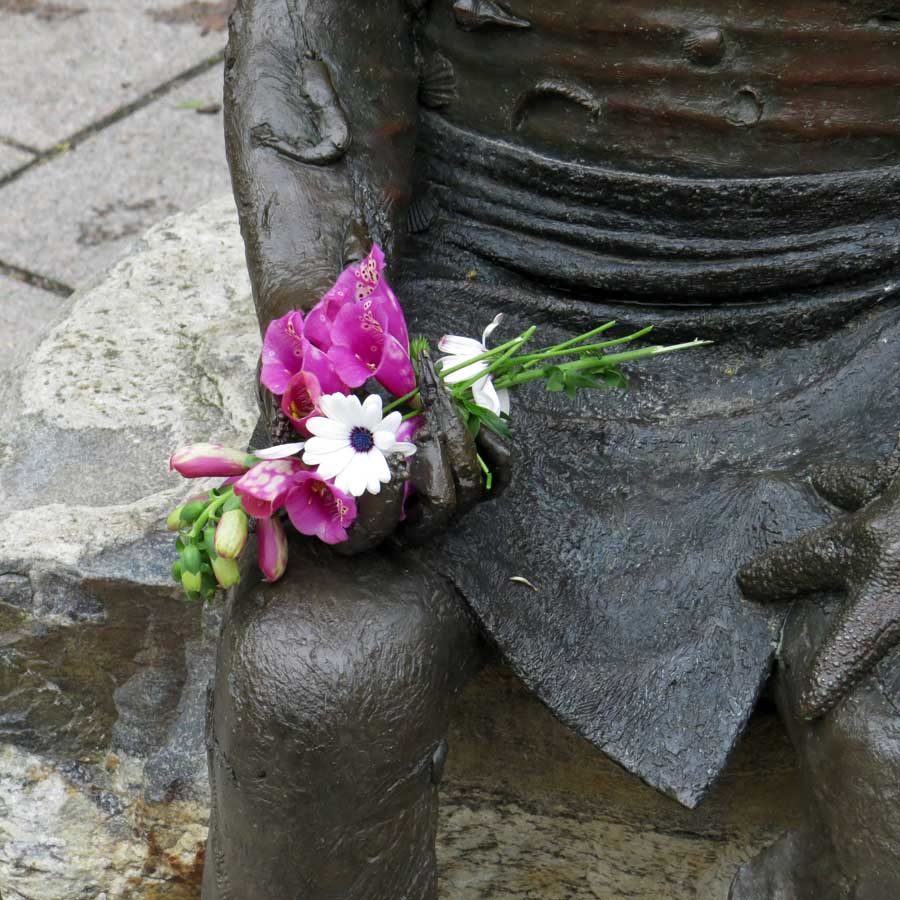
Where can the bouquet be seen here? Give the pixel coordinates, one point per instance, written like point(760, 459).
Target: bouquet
point(346, 380)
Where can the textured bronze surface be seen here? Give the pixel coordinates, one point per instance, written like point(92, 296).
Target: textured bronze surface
point(722, 171)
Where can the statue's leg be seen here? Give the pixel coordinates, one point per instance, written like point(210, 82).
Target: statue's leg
point(847, 848)
point(326, 730)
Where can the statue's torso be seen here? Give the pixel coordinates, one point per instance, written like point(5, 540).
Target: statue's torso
point(699, 88)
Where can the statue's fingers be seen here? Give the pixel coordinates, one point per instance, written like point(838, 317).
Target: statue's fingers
point(443, 420)
point(817, 561)
point(861, 634)
point(851, 486)
point(377, 515)
point(433, 502)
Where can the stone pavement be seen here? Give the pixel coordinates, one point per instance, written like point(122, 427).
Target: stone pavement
point(110, 120)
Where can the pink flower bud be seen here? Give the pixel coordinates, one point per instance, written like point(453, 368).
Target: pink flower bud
point(209, 460)
point(272, 548)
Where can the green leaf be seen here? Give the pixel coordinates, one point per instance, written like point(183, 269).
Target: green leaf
point(556, 381)
point(177, 570)
point(615, 379)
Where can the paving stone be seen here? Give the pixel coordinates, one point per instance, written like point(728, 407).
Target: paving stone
point(73, 216)
point(67, 64)
point(26, 314)
point(11, 158)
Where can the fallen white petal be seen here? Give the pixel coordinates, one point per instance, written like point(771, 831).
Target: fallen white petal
point(282, 451)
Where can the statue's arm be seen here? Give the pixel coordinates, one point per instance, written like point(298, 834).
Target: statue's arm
point(320, 106)
point(859, 554)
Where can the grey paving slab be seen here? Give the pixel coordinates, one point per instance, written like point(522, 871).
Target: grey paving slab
point(11, 159)
point(66, 64)
point(26, 315)
point(73, 216)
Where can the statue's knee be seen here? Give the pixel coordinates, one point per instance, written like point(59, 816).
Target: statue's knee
point(345, 665)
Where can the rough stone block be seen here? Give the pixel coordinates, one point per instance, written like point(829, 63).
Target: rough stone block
point(74, 215)
point(103, 667)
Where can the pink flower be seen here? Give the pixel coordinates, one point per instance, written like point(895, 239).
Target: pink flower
point(272, 548)
point(355, 283)
point(301, 395)
point(209, 460)
point(318, 508)
point(263, 489)
point(364, 348)
point(283, 351)
point(300, 401)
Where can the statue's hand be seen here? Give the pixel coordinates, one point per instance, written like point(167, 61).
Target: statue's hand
point(445, 475)
point(859, 553)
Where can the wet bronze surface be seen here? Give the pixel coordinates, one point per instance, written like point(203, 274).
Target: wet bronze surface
point(717, 171)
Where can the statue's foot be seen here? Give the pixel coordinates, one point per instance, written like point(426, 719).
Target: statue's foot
point(795, 867)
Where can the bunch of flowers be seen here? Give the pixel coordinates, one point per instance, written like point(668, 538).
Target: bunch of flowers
point(319, 368)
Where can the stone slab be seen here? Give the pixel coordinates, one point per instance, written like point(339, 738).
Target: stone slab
point(73, 216)
point(11, 159)
point(65, 65)
point(26, 314)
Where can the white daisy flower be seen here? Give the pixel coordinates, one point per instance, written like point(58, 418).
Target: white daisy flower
point(461, 349)
point(351, 440)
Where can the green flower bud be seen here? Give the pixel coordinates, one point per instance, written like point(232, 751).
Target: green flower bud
point(173, 522)
point(190, 558)
point(191, 511)
point(227, 571)
point(231, 533)
point(191, 581)
point(209, 540)
point(177, 570)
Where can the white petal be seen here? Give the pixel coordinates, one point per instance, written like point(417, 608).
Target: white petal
point(379, 472)
point(451, 362)
point(490, 328)
point(337, 462)
point(321, 446)
point(457, 345)
point(329, 404)
point(503, 397)
point(327, 428)
point(385, 441)
point(341, 408)
point(371, 412)
point(353, 479)
point(282, 451)
point(483, 394)
point(404, 447)
point(391, 422)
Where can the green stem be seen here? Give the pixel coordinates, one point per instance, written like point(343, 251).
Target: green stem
point(488, 474)
point(400, 401)
point(558, 348)
point(533, 358)
point(203, 518)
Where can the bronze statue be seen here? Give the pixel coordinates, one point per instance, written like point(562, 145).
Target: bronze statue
point(722, 171)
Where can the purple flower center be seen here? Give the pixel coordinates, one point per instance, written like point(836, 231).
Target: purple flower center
point(361, 439)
